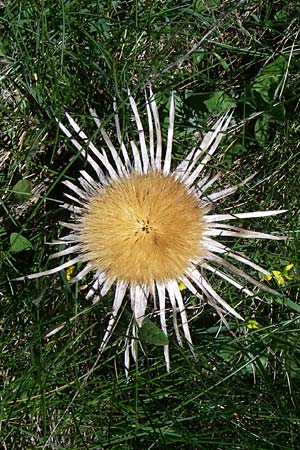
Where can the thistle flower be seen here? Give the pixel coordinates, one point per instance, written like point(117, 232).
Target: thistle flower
point(145, 229)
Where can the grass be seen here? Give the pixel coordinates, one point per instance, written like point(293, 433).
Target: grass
point(242, 390)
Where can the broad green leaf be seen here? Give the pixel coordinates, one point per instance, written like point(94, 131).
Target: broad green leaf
point(234, 152)
point(18, 243)
point(219, 103)
point(22, 191)
point(228, 354)
point(261, 129)
point(269, 79)
point(292, 305)
point(294, 369)
point(278, 113)
point(152, 334)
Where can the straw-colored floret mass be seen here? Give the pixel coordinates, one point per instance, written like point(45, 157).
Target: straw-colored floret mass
point(142, 226)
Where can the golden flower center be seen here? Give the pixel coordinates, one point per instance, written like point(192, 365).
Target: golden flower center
point(143, 228)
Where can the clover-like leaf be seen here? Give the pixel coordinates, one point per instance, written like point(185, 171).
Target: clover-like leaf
point(22, 191)
point(219, 102)
point(152, 334)
point(18, 243)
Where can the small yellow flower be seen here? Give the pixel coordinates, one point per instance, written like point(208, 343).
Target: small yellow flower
point(286, 270)
point(252, 324)
point(181, 285)
point(70, 272)
point(280, 276)
point(268, 277)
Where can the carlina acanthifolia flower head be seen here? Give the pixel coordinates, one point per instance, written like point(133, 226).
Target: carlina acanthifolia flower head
point(143, 228)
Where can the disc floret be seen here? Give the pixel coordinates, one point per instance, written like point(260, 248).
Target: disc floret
point(143, 229)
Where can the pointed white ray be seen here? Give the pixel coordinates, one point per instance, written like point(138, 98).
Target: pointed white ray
point(71, 225)
point(208, 290)
point(246, 215)
point(168, 156)
point(216, 196)
point(181, 169)
point(241, 258)
point(66, 251)
point(206, 182)
point(223, 262)
point(209, 300)
point(136, 158)
point(219, 127)
point(111, 171)
point(190, 287)
point(174, 310)
point(106, 286)
point(89, 179)
point(69, 135)
point(218, 247)
point(120, 292)
point(167, 357)
point(127, 352)
point(218, 229)
point(56, 330)
point(63, 266)
point(138, 296)
point(93, 164)
point(229, 279)
point(162, 315)
point(74, 210)
point(99, 278)
point(102, 157)
point(152, 291)
point(185, 167)
point(119, 164)
point(119, 137)
point(151, 133)
point(162, 306)
point(173, 285)
point(211, 148)
point(68, 239)
point(95, 117)
point(133, 342)
point(140, 129)
point(86, 186)
point(155, 114)
point(202, 182)
point(81, 274)
point(219, 195)
point(84, 195)
point(74, 199)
